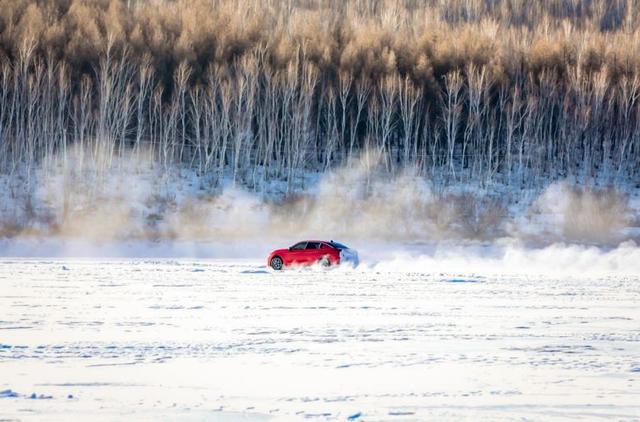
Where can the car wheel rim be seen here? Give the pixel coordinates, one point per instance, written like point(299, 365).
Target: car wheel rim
point(276, 263)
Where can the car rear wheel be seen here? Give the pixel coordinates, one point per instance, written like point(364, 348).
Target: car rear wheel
point(324, 262)
point(276, 263)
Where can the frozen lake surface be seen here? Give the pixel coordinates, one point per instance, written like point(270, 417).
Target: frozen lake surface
point(229, 340)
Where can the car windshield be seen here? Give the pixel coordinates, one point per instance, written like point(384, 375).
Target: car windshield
point(299, 246)
point(338, 245)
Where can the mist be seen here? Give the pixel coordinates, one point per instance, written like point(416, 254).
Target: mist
point(136, 208)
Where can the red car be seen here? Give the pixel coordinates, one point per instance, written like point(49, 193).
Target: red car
point(312, 252)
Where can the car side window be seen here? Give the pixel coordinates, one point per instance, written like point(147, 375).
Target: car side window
point(313, 245)
point(299, 246)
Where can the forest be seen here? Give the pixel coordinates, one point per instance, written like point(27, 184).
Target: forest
point(511, 92)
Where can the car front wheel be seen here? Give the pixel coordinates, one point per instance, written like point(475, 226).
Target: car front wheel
point(276, 263)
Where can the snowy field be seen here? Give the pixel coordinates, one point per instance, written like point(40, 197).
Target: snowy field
point(228, 340)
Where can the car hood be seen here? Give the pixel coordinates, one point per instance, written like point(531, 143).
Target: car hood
point(279, 251)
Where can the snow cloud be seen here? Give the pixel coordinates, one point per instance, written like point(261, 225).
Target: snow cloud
point(364, 203)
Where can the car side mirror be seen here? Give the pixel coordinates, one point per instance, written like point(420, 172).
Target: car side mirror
point(289, 248)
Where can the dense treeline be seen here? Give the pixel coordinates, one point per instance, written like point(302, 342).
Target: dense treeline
point(487, 90)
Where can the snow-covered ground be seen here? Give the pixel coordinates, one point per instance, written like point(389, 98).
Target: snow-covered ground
point(185, 339)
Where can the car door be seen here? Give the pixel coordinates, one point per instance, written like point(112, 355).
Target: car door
point(297, 254)
point(313, 252)
point(330, 253)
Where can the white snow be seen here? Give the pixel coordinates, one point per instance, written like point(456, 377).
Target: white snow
point(411, 337)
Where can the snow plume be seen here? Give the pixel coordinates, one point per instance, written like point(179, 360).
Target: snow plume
point(580, 214)
point(365, 201)
point(513, 258)
point(131, 197)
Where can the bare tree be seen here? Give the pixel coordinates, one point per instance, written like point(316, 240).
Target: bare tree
point(452, 100)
